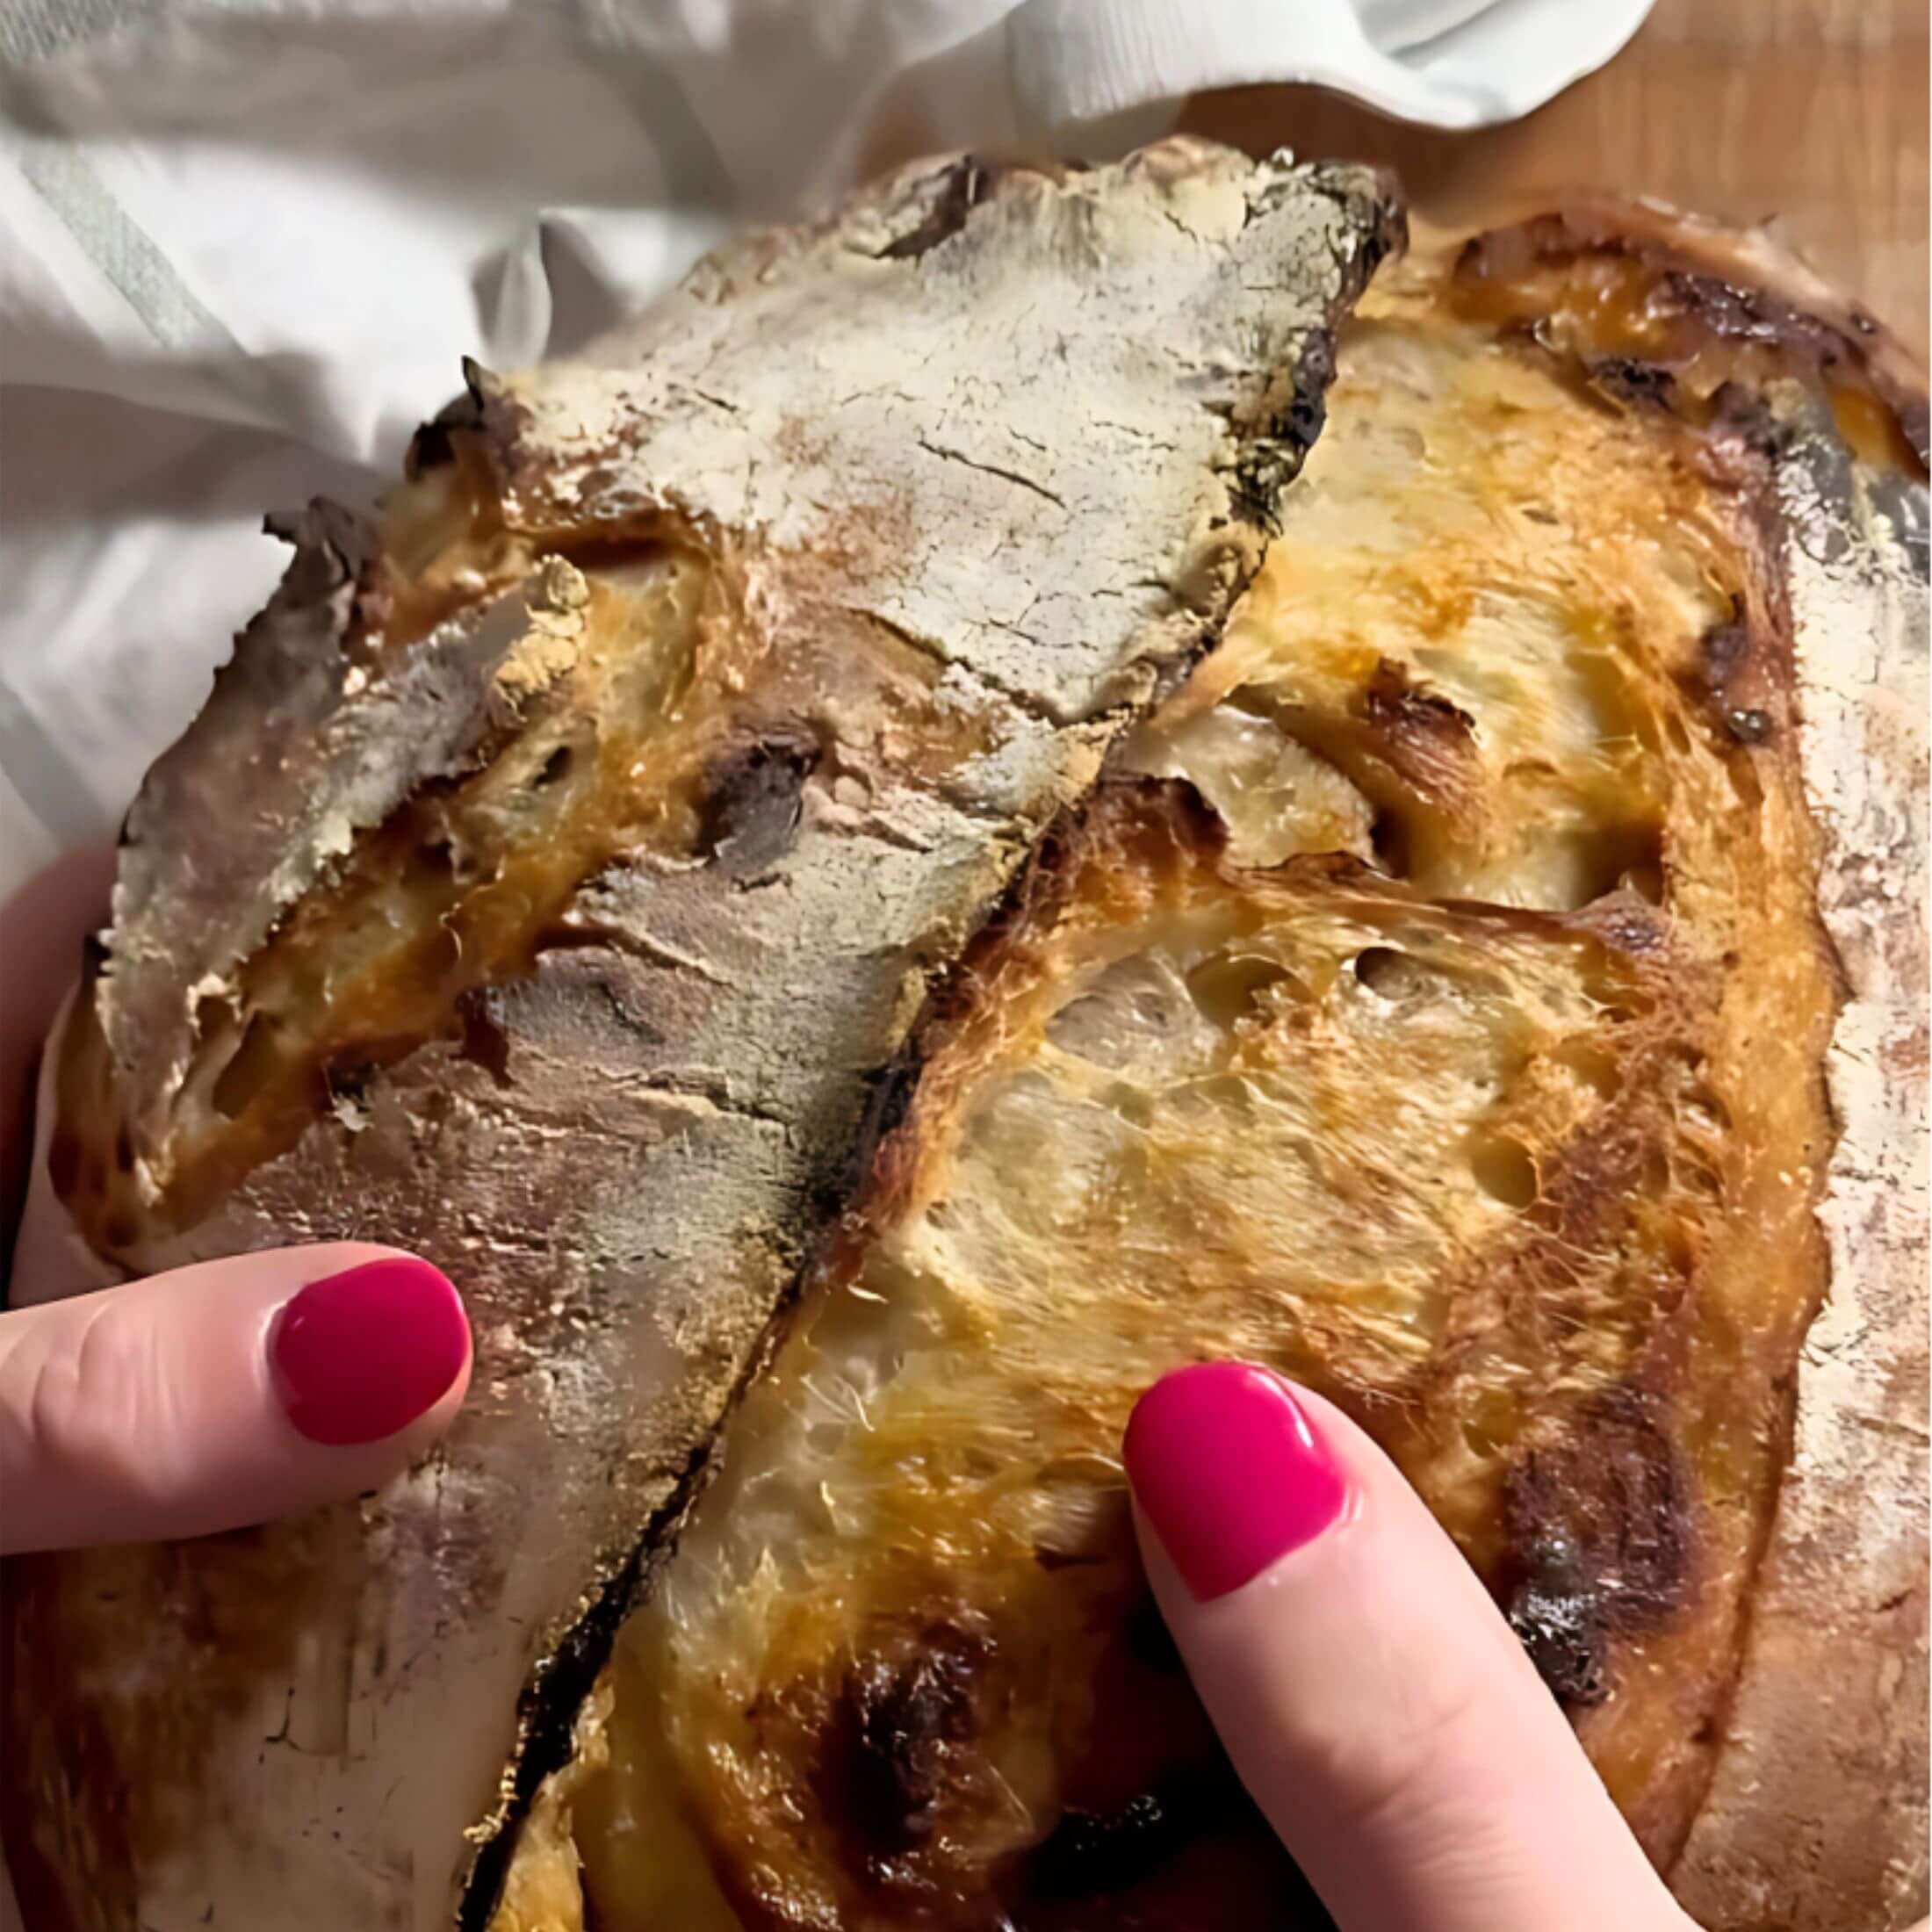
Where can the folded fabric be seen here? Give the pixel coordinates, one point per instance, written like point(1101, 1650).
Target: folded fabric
point(244, 245)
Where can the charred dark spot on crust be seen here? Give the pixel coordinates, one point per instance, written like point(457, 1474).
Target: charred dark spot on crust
point(899, 1721)
point(1308, 411)
point(1093, 1854)
point(1282, 442)
point(430, 447)
point(1389, 234)
point(1682, 303)
point(964, 186)
point(1289, 426)
point(1743, 313)
point(433, 446)
point(1744, 418)
point(1602, 1542)
point(1094, 1851)
point(1739, 681)
point(1627, 380)
point(751, 798)
point(1556, 1618)
point(892, 1090)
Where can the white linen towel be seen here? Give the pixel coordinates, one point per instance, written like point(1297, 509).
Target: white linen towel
point(243, 244)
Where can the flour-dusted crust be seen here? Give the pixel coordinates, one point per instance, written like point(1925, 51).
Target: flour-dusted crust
point(1816, 1816)
point(765, 639)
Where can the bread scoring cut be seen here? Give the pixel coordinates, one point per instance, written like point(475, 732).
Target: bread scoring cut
point(864, 543)
point(1434, 1007)
point(798, 860)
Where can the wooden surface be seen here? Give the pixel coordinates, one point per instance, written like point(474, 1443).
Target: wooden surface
point(1811, 111)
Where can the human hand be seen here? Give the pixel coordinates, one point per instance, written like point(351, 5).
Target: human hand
point(1375, 1703)
point(210, 1397)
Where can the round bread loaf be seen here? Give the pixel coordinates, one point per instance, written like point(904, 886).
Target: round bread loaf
point(912, 841)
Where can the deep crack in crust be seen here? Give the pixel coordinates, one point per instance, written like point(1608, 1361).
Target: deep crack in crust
point(1484, 820)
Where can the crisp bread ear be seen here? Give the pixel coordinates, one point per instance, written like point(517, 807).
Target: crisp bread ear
point(962, 476)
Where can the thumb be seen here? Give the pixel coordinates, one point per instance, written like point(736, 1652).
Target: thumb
point(1374, 1702)
point(223, 1394)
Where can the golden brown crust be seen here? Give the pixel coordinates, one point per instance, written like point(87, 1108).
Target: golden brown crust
point(850, 1641)
point(1815, 1813)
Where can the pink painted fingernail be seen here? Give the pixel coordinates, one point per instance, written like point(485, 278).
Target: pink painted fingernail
point(358, 1355)
point(1228, 1468)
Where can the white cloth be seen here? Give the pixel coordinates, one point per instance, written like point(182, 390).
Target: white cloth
point(243, 244)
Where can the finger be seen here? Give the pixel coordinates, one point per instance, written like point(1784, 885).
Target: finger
point(223, 1394)
point(1374, 1702)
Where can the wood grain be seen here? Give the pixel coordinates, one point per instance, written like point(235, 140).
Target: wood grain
point(1813, 111)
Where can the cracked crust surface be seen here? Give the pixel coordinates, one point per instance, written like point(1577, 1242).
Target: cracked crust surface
point(544, 886)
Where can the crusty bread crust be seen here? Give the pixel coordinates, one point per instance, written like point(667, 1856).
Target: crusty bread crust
point(1816, 1814)
point(1626, 1556)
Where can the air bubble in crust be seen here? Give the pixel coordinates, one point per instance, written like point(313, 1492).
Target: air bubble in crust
point(1229, 988)
point(1503, 1168)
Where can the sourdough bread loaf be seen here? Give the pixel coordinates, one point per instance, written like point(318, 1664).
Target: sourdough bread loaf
point(913, 842)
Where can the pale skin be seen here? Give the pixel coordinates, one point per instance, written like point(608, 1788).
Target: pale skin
point(1414, 1765)
point(1394, 1734)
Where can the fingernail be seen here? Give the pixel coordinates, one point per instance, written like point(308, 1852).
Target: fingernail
point(1228, 1468)
point(358, 1356)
